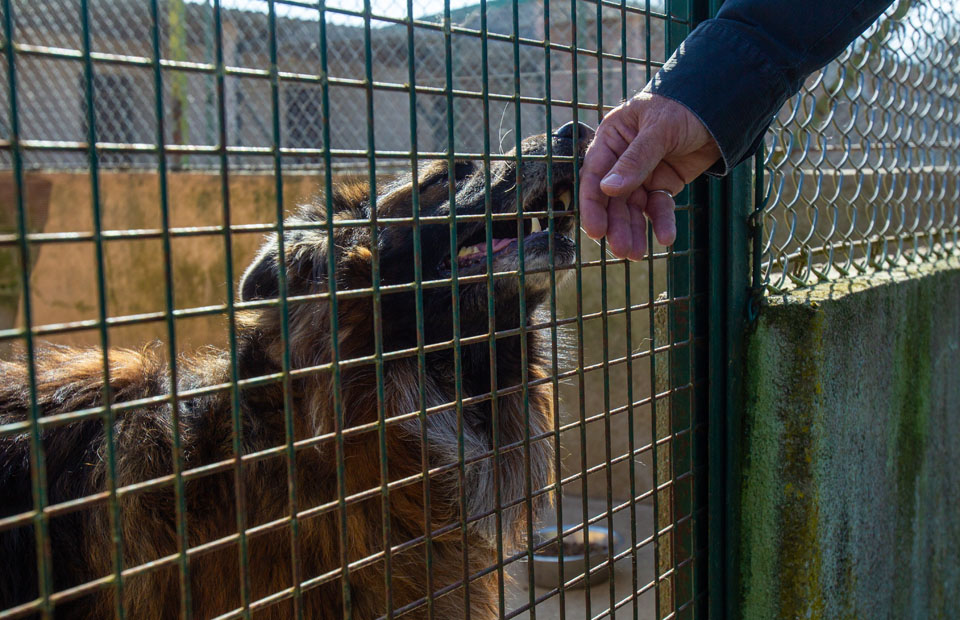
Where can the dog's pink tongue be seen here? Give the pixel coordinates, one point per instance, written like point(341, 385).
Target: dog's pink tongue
point(499, 244)
point(479, 250)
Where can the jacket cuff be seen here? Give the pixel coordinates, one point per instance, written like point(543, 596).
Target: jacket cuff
point(726, 80)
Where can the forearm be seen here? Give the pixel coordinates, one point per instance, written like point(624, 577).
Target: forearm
point(735, 71)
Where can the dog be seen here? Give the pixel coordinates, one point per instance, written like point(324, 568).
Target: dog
point(342, 450)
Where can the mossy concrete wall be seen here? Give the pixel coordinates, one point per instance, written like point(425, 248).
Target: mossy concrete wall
point(851, 462)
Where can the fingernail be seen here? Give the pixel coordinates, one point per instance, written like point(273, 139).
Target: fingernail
point(612, 180)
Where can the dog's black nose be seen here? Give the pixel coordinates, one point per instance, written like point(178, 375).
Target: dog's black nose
point(584, 131)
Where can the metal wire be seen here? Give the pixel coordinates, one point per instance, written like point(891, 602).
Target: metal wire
point(49, 35)
point(236, 92)
point(109, 420)
point(181, 502)
point(860, 166)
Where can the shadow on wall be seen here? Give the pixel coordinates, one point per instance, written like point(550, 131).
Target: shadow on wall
point(64, 291)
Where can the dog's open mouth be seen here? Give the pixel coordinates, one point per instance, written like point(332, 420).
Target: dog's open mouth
point(472, 248)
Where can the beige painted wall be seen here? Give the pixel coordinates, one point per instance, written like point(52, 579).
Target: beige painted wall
point(64, 279)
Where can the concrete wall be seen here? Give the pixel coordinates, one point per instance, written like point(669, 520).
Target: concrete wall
point(64, 280)
point(851, 460)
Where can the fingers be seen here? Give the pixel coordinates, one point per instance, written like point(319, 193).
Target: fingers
point(664, 183)
point(593, 202)
point(619, 236)
point(622, 170)
point(593, 207)
point(666, 178)
point(627, 222)
point(636, 163)
point(638, 224)
point(660, 208)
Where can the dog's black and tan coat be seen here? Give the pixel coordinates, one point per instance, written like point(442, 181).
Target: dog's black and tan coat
point(70, 379)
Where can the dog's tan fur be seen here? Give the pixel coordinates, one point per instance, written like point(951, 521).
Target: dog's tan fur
point(70, 379)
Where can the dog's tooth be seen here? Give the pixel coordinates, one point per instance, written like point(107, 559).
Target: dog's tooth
point(565, 198)
point(535, 225)
point(470, 250)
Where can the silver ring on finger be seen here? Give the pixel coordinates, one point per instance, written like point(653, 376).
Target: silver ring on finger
point(660, 191)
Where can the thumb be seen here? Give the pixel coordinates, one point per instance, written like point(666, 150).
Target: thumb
point(634, 165)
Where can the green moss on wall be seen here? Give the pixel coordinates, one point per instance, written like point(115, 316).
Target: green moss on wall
point(761, 479)
point(850, 448)
point(910, 408)
point(798, 560)
point(780, 517)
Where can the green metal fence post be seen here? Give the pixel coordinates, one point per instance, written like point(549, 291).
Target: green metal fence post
point(731, 201)
point(686, 314)
point(729, 204)
point(739, 196)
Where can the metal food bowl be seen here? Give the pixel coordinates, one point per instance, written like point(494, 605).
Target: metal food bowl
point(577, 557)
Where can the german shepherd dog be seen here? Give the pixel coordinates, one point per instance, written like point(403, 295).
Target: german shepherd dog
point(339, 509)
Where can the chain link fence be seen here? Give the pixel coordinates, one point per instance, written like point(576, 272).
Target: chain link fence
point(53, 128)
point(860, 166)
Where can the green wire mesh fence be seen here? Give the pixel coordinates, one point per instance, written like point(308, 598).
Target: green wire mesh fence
point(861, 165)
point(48, 31)
point(424, 395)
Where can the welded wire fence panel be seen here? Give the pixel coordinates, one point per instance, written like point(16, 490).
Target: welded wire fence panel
point(49, 31)
point(296, 319)
point(861, 167)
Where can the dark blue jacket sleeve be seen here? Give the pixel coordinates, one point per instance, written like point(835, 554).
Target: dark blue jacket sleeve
point(735, 71)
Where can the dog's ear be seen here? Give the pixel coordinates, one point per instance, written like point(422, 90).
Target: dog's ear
point(306, 266)
point(261, 279)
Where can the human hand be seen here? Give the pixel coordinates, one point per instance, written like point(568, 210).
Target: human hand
point(644, 152)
